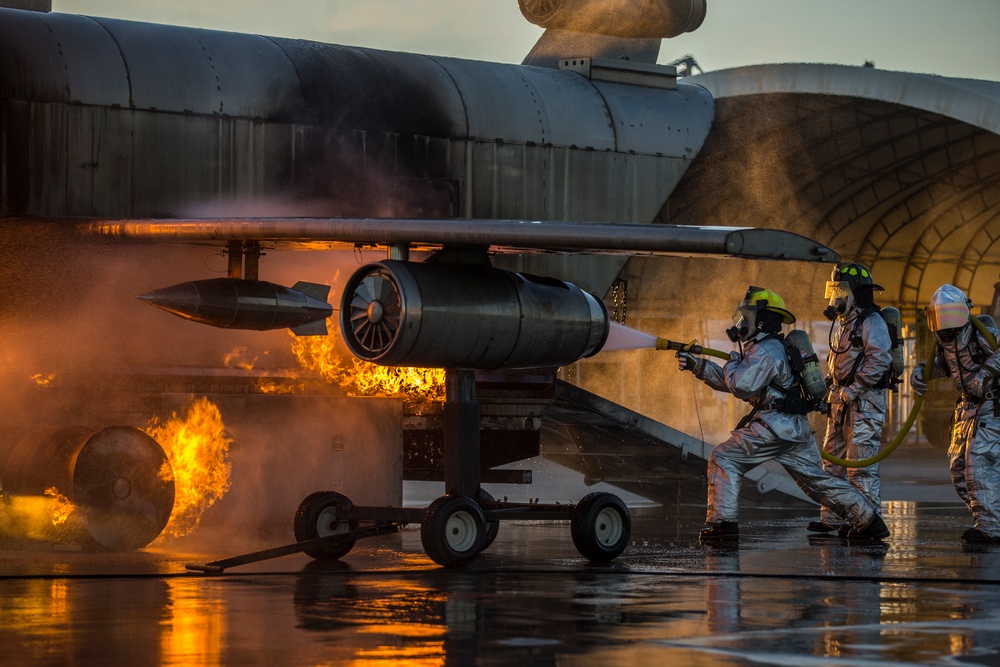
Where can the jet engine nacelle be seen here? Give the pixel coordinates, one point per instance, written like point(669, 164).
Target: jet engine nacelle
point(398, 313)
point(650, 19)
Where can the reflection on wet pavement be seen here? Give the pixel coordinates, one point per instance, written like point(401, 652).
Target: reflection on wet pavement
point(781, 597)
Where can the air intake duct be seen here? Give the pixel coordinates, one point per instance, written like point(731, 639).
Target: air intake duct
point(649, 19)
point(398, 313)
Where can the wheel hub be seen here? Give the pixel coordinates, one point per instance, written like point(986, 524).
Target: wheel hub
point(608, 527)
point(460, 532)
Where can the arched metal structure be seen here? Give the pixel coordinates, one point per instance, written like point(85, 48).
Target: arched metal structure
point(897, 170)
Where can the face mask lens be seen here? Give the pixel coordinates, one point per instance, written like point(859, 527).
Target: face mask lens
point(837, 290)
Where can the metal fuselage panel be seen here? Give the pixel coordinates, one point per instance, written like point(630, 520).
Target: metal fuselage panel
point(109, 118)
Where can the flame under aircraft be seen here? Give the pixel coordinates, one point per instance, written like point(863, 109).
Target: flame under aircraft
point(556, 167)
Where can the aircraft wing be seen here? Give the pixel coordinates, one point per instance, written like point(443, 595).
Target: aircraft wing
point(516, 236)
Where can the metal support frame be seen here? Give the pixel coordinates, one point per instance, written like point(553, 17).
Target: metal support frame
point(244, 260)
point(461, 433)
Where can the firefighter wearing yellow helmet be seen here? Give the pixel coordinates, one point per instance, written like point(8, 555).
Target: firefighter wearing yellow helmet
point(858, 362)
point(760, 372)
point(964, 355)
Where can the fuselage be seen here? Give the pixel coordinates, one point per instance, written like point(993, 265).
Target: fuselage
point(110, 118)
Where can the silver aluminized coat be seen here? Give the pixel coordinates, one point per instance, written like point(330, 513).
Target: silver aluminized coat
point(770, 435)
point(854, 431)
point(974, 453)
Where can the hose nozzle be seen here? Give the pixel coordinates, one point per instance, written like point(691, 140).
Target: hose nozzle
point(665, 344)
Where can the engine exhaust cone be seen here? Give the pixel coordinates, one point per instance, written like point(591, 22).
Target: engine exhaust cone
point(118, 479)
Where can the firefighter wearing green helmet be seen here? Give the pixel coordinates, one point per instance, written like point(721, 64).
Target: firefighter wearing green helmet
point(776, 429)
point(859, 373)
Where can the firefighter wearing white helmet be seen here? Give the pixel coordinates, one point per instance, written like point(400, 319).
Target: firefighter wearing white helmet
point(964, 355)
point(858, 363)
point(761, 374)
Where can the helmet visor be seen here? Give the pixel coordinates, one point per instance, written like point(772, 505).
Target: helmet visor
point(947, 316)
point(837, 289)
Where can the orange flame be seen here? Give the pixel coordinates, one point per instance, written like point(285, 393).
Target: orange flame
point(363, 378)
point(60, 506)
point(273, 387)
point(43, 379)
point(238, 357)
point(198, 447)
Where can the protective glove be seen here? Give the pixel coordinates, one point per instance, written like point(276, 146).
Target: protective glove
point(846, 395)
point(688, 362)
point(917, 379)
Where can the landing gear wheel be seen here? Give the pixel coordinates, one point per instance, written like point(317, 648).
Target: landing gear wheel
point(453, 530)
point(492, 527)
point(317, 517)
point(600, 526)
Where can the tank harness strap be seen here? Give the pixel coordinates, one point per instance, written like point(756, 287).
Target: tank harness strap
point(979, 356)
point(884, 382)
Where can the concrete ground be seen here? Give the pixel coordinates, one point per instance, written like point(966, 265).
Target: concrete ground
point(779, 596)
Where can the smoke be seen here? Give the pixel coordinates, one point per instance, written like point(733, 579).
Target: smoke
point(77, 347)
point(688, 299)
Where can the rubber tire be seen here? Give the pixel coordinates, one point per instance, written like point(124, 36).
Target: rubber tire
point(492, 527)
point(313, 520)
point(453, 530)
point(600, 526)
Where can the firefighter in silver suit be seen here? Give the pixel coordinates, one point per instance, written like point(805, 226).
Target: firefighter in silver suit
point(775, 429)
point(859, 373)
point(967, 356)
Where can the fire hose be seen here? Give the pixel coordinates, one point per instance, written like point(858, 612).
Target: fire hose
point(664, 344)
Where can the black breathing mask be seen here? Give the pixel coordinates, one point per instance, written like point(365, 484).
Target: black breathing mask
point(739, 331)
point(831, 312)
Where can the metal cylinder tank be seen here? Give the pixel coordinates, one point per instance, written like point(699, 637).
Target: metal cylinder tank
point(459, 316)
point(115, 486)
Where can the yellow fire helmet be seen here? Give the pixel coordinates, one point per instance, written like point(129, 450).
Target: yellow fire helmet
point(752, 303)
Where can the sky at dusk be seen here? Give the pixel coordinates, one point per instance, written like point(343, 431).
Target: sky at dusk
point(956, 38)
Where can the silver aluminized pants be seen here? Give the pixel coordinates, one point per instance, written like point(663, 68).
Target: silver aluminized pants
point(854, 432)
point(974, 457)
point(754, 444)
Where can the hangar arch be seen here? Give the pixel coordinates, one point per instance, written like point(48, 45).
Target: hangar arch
point(895, 169)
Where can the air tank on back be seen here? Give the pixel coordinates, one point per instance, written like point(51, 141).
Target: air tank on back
point(894, 323)
point(110, 488)
point(398, 313)
point(813, 381)
point(651, 19)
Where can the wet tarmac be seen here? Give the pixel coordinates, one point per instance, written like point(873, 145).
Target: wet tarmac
point(778, 596)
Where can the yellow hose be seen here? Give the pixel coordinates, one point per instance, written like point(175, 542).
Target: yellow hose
point(891, 447)
point(912, 417)
point(987, 334)
point(664, 344)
